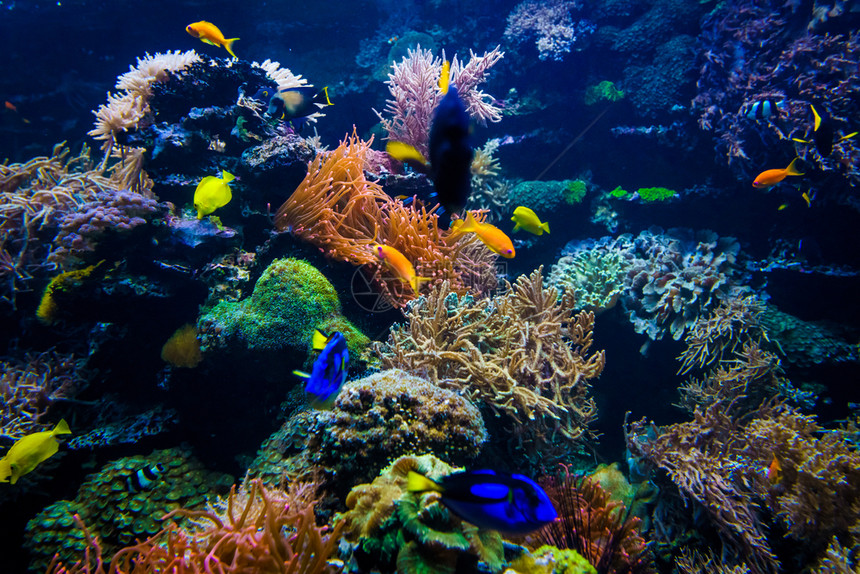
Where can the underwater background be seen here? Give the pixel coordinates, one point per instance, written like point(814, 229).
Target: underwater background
point(636, 286)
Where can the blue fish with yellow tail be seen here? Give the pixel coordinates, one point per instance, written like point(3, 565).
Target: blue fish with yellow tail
point(513, 504)
point(293, 103)
point(329, 371)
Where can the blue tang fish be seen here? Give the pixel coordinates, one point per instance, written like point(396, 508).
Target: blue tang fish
point(513, 504)
point(329, 371)
point(450, 149)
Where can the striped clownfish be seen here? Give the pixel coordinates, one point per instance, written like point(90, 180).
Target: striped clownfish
point(144, 478)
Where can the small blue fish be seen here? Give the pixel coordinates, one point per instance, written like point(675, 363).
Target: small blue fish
point(144, 478)
point(513, 504)
point(329, 371)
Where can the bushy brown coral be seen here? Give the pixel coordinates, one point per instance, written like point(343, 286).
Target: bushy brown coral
point(523, 355)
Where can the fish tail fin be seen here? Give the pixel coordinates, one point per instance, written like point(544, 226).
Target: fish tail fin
point(545, 226)
point(419, 483)
point(417, 282)
point(817, 117)
point(61, 428)
point(843, 138)
point(324, 93)
point(792, 169)
point(319, 340)
point(228, 45)
point(227, 177)
point(445, 77)
point(302, 374)
point(516, 224)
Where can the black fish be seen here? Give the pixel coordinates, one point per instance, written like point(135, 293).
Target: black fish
point(144, 478)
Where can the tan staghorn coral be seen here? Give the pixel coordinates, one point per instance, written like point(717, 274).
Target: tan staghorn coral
point(524, 355)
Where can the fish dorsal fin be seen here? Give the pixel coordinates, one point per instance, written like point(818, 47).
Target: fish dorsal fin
point(445, 77)
point(319, 340)
point(61, 428)
point(227, 177)
point(302, 374)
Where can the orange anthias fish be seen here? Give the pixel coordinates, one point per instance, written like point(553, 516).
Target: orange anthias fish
point(774, 471)
point(774, 176)
point(492, 236)
point(398, 263)
point(210, 34)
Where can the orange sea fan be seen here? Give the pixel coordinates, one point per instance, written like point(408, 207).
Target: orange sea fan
point(343, 213)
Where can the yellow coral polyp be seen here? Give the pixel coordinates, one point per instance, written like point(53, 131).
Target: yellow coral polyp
point(182, 349)
point(48, 307)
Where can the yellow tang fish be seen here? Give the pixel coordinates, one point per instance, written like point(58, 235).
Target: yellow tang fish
point(211, 193)
point(29, 451)
point(492, 236)
point(210, 34)
point(525, 218)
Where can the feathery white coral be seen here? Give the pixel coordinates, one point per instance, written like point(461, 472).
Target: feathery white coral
point(281, 76)
point(466, 78)
point(151, 69)
point(122, 112)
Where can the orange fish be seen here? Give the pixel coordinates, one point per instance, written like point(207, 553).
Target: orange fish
point(773, 471)
point(492, 236)
point(10, 106)
point(210, 34)
point(807, 199)
point(774, 176)
point(398, 263)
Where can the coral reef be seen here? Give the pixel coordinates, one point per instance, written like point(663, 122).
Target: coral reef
point(601, 530)
point(523, 355)
point(115, 512)
point(549, 24)
point(541, 196)
point(399, 531)
point(595, 277)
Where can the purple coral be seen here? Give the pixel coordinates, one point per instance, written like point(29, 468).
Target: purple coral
point(550, 24)
point(81, 229)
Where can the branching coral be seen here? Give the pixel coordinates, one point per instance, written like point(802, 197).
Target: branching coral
point(414, 86)
point(524, 355)
point(28, 387)
point(342, 212)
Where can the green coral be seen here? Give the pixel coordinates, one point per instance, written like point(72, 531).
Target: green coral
point(114, 513)
point(596, 278)
point(290, 300)
point(605, 90)
point(541, 196)
point(574, 192)
point(649, 194)
point(619, 193)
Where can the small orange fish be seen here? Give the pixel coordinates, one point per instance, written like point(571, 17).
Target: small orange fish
point(807, 199)
point(10, 106)
point(774, 176)
point(398, 263)
point(210, 34)
point(774, 471)
point(492, 236)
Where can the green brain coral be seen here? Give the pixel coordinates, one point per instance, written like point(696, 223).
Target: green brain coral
point(290, 300)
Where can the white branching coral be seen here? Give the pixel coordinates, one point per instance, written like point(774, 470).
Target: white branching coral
point(126, 109)
point(281, 76)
